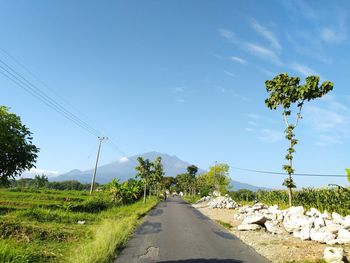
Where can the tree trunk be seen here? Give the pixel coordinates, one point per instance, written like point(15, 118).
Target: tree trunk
point(290, 179)
point(144, 193)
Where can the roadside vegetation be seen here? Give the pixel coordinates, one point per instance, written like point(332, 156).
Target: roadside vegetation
point(64, 226)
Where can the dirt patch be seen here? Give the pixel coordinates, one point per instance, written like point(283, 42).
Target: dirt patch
point(276, 248)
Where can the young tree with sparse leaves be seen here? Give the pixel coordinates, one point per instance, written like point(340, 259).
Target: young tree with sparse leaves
point(288, 93)
point(17, 151)
point(144, 171)
point(192, 171)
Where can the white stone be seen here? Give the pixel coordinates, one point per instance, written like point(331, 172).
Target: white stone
point(346, 221)
point(333, 255)
point(326, 215)
point(343, 234)
point(331, 228)
point(319, 222)
point(273, 209)
point(81, 222)
point(250, 227)
point(338, 241)
point(273, 227)
point(256, 219)
point(338, 219)
point(304, 234)
point(322, 237)
point(313, 213)
point(296, 222)
point(295, 210)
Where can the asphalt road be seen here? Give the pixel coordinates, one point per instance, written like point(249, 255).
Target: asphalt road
point(176, 232)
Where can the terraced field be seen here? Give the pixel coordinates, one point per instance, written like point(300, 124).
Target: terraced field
point(42, 225)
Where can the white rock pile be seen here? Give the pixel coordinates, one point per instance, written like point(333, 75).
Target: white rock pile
point(311, 225)
point(204, 199)
point(223, 202)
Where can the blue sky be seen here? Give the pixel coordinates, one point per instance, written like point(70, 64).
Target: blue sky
point(183, 78)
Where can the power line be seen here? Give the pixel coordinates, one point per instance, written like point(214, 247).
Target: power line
point(279, 173)
point(22, 82)
point(46, 86)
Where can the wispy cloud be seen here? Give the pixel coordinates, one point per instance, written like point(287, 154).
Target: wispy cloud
point(303, 69)
point(239, 60)
point(180, 93)
point(270, 136)
point(36, 171)
point(228, 73)
point(329, 121)
point(228, 34)
point(254, 49)
point(124, 160)
point(337, 33)
point(180, 100)
point(265, 33)
point(263, 52)
point(266, 72)
point(331, 36)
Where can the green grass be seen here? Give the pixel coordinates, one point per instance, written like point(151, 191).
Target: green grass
point(224, 224)
point(112, 233)
point(41, 226)
point(191, 199)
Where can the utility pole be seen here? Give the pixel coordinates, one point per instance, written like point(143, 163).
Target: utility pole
point(95, 170)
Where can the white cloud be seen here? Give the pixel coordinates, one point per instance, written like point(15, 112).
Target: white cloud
point(266, 72)
point(252, 123)
point(124, 160)
point(248, 129)
point(178, 90)
point(180, 100)
point(263, 52)
point(332, 36)
point(270, 136)
point(228, 34)
point(268, 35)
point(228, 73)
point(303, 69)
point(252, 48)
point(253, 116)
point(329, 122)
point(239, 60)
point(36, 171)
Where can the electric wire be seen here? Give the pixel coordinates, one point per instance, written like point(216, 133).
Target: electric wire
point(280, 173)
point(27, 86)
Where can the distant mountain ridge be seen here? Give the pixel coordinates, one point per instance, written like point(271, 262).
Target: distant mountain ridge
point(124, 169)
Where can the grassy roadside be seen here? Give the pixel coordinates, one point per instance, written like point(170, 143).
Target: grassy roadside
point(191, 199)
point(112, 233)
point(42, 226)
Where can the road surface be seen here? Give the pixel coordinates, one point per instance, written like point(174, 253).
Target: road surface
point(176, 232)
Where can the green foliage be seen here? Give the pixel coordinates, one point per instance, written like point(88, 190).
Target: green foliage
point(332, 199)
point(286, 92)
point(41, 182)
point(40, 225)
point(348, 174)
point(191, 198)
point(124, 193)
point(217, 178)
point(17, 152)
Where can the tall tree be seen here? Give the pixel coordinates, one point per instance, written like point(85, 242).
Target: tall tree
point(158, 172)
point(144, 171)
point(192, 171)
point(17, 151)
point(287, 92)
point(217, 178)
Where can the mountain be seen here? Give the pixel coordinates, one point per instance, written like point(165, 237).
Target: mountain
point(124, 169)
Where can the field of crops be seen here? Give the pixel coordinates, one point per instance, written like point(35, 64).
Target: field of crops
point(42, 225)
point(330, 199)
